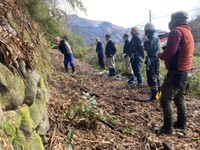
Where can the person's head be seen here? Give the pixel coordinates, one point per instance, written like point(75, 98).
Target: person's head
point(98, 39)
point(125, 36)
point(58, 39)
point(178, 18)
point(107, 37)
point(149, 29)
point(134, 31)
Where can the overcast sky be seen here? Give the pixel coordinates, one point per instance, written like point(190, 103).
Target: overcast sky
point(128, 13)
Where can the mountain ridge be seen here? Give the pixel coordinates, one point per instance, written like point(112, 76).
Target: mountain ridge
point(90, 29)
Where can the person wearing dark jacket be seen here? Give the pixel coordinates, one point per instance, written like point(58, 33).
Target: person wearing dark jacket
point(136, 55)
point(126, 53)
point(66, 50)
point(177, 56)
point(152, 46)
point(110, 55)
point(100, 52)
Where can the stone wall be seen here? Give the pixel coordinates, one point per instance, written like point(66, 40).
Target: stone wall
point(24, 65)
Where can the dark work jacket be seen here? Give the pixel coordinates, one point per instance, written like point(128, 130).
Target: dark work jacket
point(99, 47)
point(110, 49)
point(64, 47)
point(136, 47)
point(126, 49)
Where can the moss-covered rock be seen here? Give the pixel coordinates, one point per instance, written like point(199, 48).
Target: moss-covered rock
point(37, 111)
point(35, 142)
point(31, 88)
point(5, 84)
point(26, 124)
point(14, 117)
point(12, 89)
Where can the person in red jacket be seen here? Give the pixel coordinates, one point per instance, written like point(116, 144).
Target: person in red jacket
point(177, 56)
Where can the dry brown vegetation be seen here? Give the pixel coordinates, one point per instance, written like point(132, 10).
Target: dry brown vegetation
point(124, 123)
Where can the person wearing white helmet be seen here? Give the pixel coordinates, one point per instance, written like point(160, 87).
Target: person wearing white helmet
point(152, 46)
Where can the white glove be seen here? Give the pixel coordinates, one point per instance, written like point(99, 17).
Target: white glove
point(124, 55)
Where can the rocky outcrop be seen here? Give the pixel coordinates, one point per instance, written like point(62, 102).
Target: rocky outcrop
point(24, 64)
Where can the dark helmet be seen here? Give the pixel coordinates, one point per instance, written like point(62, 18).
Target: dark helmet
point(179, 16)
point(108, 36)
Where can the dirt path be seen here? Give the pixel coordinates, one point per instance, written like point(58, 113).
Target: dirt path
point(125, 124)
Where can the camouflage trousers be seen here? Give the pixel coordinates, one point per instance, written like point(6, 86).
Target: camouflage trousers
point(174, 89)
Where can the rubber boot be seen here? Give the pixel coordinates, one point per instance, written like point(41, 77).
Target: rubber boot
point(110, 72)
point(167, 128)
point(114, 72)
point(73, 69)
point(153, 95)
point(181, 121)
point(66, 69)
point(159, 93)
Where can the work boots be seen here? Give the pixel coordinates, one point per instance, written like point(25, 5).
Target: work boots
point(153, 95)
point(66, 69)
point(167, 128)
point(112, 72)
point(73, 69)
point(181, 122)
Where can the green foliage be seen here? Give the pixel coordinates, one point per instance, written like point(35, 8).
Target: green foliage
point(77, 4)
point(194, 87)
point(69, 144)
point(40, 12)
point(85, 113)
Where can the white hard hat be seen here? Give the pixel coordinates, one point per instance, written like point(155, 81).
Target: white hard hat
point(149, 26)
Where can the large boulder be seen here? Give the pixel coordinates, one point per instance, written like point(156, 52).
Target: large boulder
point(12, 89)
point(31, 88)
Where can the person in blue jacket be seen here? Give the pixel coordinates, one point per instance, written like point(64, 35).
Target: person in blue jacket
point(152, 46)
point(136, 55)
point(66, 50)
point(100, 53)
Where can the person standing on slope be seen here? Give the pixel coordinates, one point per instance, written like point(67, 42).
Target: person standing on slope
point(152, 46)
point(177, 56)
point(136, 55)
point(66, 50)
point(126, 55)
point(110, 55)
point(100, 53)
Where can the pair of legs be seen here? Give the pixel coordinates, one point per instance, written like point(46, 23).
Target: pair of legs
point(69, 59)
point(153, 79)
point(172, 92)
point(128, 67)
point(136, 64)
point(101, 60)
point(111, 65)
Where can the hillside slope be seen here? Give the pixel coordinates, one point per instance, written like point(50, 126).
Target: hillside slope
point(125, 123)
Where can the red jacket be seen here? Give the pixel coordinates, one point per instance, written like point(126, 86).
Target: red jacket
point(179, 34)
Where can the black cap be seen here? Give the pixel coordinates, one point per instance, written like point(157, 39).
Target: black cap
point(107, 35)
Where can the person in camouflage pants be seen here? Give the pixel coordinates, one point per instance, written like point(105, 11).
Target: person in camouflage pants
point(177, 56)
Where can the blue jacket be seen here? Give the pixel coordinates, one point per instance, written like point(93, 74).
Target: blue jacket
point(99, 47)
point(152, 46)
point(136, 47)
